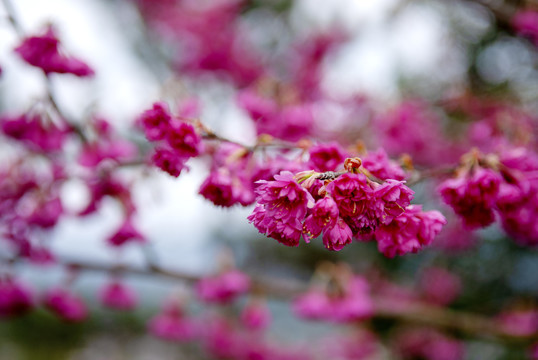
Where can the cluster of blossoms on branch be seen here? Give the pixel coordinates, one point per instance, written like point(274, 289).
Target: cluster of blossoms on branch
point(342, 206)
point(491, 186)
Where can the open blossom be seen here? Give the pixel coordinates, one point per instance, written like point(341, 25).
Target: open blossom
point(15, 298)
point(65, 304)
point(364, 205)
point(323, 215)
point(409, 232)
point(224, 287)
point(281, 208)
point(392, 199)
point(116, 295)
point(473, 196)
point(43, 52)
point(337, 236)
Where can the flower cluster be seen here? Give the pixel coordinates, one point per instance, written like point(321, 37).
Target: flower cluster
point(342, 207)
point(36, 132)
point(43, 52)
point(503, 184)
point(177, 140)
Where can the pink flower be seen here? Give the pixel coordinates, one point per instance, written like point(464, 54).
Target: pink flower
point(172, 325)
point(392, 198)
point(287, 122)
point(222, 189)
point(473, 196)
point(125, 234)
point(184, 140)
point(32, 131)
point(224, 287)
point(43, 52)
point(353, 194)
point(168, 161)
point(65, 304)
point(15, 298)
point(409, 232)
point(107, 185)
point(525, 23)
point(118, 296)
point(337, 236)
point(156, 121)
point(255, 315)
point(380, 166)
point(415, 129)
point(326, 157)
point(282, 206)
point(323, 215)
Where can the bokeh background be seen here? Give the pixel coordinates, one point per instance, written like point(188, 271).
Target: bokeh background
point(393, 50)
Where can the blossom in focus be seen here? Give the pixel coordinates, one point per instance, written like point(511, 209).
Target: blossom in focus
point(281, 208)
point(409, 232)
point(44, 52)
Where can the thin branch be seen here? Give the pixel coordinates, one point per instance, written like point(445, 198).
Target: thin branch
point(389, 308)
point(17, 27)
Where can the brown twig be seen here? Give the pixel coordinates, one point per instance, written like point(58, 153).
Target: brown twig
point(418, 313)
point(17, 27)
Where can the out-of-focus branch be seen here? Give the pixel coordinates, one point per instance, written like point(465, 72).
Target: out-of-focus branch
point(17, 27)
point(390, 308)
